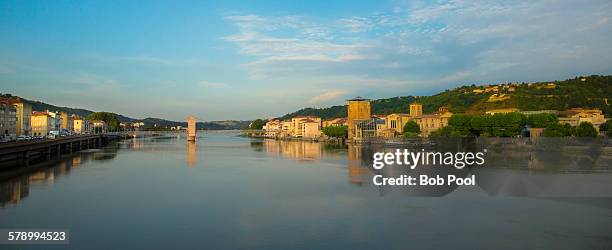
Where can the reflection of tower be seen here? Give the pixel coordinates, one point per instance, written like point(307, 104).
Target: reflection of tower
point(191, 153)
point(357, 173)
point(191, 128)
point(358, 109)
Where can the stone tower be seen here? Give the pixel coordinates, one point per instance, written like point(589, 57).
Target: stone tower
point(416, 109)
point(191, 128)
point(358, 109)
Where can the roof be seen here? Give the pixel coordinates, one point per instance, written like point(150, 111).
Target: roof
point(398, 114)
point(358, 98)
point(40, 113)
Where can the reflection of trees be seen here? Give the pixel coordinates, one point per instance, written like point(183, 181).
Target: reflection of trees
point(548, 154)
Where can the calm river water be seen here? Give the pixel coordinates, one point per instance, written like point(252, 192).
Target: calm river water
point(226, 191)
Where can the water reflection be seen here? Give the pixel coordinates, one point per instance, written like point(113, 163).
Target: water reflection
point(15, 189)
point(191, 153)
point(513, 166)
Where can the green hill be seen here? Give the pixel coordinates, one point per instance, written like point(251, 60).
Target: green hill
point(587, 92)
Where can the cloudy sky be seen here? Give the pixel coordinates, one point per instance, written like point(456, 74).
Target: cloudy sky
point(244, 60)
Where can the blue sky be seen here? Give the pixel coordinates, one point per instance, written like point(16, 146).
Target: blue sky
point(251, 59)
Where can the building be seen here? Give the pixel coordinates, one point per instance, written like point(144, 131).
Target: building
point(576, 116)
point(310, 128)
point(286, 128)
point(297, 122)
point(537, 112)
point(80, 125)
point(99, 126)
point(359, 109)
point(502, 111)
point(57, 122)
point(8, 120)
point(272, 128)
point(335, 122)
point(41, 123)
point(23, 112)
point(433, 122)
point(416, 109)
point(66, 123)
point(394, 124)
point(498, 97)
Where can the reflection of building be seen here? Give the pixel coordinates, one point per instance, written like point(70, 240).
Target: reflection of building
point(357, 173)
point(576, 116)
point(191, 153)
point(358, 109)
point(14, 191)
point(299, 150)
point(8, 119)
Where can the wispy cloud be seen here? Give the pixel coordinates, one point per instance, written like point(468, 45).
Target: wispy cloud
point(142, 59)
point(327, 96)
point(212, 85)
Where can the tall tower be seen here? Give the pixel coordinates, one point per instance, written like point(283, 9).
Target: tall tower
point(416, 109)
point(358, 109)
point(191, 128)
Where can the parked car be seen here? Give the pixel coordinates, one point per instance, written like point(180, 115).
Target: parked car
point(5, 139)
point(23, 138)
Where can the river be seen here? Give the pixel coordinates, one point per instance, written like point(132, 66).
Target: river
point(226, 191)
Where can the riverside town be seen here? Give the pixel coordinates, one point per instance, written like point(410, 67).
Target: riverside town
point(416, 124)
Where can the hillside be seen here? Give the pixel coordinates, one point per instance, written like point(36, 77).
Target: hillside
point(212, 125)
point(590, 92)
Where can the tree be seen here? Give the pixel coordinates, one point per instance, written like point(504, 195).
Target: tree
point(606, 128)
point(586, 129)
point(109, 118)
point(336, 131)
point(411, 127)
point(257, 124)
point(558, 130)
point(541, 120)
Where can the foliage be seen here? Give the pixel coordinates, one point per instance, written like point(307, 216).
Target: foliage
point(558, 130)
point(257, 124)
point(336, 131)
point(409, 134)
point(606, 128)
point(541, 120)
point(586, 129)
point(497, 125)
point(109, 118)
point(411, 127)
